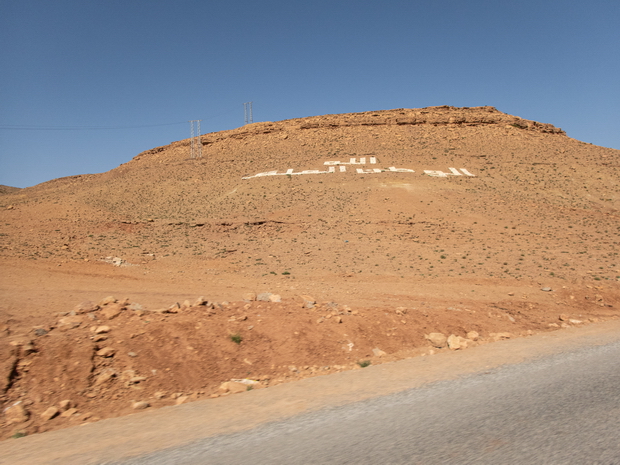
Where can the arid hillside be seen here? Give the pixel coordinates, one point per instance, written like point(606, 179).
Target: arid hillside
point(374, 230)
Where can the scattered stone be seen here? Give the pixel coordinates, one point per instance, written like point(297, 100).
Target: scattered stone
point(249, 296)
point(159, 395)
point(275, 298)
point(438, 340)
point(116, 261)
point(162, 310)
point(247, 382)
point(563, 317)
point(112, 311)
point(575, 322)
point(140, 405)
point(174, 308)
point(264, 297)
point(49, 413)
point(378, 352)
point(456, 342)
point(338, 319)
point(181, 400)
point(136, 379)
point(65, 405)
point(86, 307)
point(511, 294)
point(132, 354)
point(546, 289)
point(106, 375)
point(135, 307)
point(69, 322)
point(473, 335)
point(127, 375)
point(16, 413)
point(108, 300)
point(100, 337)
point(106, 352)
point(40, 331)
point(69, 412)
point(500, 336)
point(102, 329)
point(401, 311)
point(307, 301)
point(27, 349)
point(233, 387)
point(186, 304)
point(200, 301)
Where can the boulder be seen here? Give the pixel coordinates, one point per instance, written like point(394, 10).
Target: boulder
point(438, 340)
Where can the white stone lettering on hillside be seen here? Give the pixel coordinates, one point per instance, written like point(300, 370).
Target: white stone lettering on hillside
point(353, 161)
point(362, 161)
point(453, 172)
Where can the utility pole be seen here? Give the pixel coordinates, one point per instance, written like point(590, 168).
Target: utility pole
point(247, 113)
point(195, 140)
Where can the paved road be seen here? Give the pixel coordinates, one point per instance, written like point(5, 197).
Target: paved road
point(560, 409)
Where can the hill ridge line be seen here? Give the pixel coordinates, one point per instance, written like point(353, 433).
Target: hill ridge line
point(436, 116)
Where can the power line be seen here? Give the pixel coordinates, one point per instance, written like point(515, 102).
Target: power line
point(24, 127)
point(81, 128)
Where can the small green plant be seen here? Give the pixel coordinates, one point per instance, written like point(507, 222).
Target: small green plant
point(236, 338)
point(364, 363)
point(249, 388)
point(18, 434)
point(286, 273)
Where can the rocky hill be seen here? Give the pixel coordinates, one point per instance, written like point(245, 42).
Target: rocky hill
point(370, 237)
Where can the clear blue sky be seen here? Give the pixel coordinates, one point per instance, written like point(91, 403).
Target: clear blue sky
point(83, 83)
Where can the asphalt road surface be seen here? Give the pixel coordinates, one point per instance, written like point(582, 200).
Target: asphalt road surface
point(559, 409)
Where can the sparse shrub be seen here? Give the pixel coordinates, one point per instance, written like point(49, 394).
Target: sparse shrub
point(236, 338)
point(364, 363)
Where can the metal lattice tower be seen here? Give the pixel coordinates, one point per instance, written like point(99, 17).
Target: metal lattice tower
point(247, 113)
point(195, 141)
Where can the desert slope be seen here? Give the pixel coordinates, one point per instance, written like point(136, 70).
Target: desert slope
point(536, 194)
point(391, 224)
